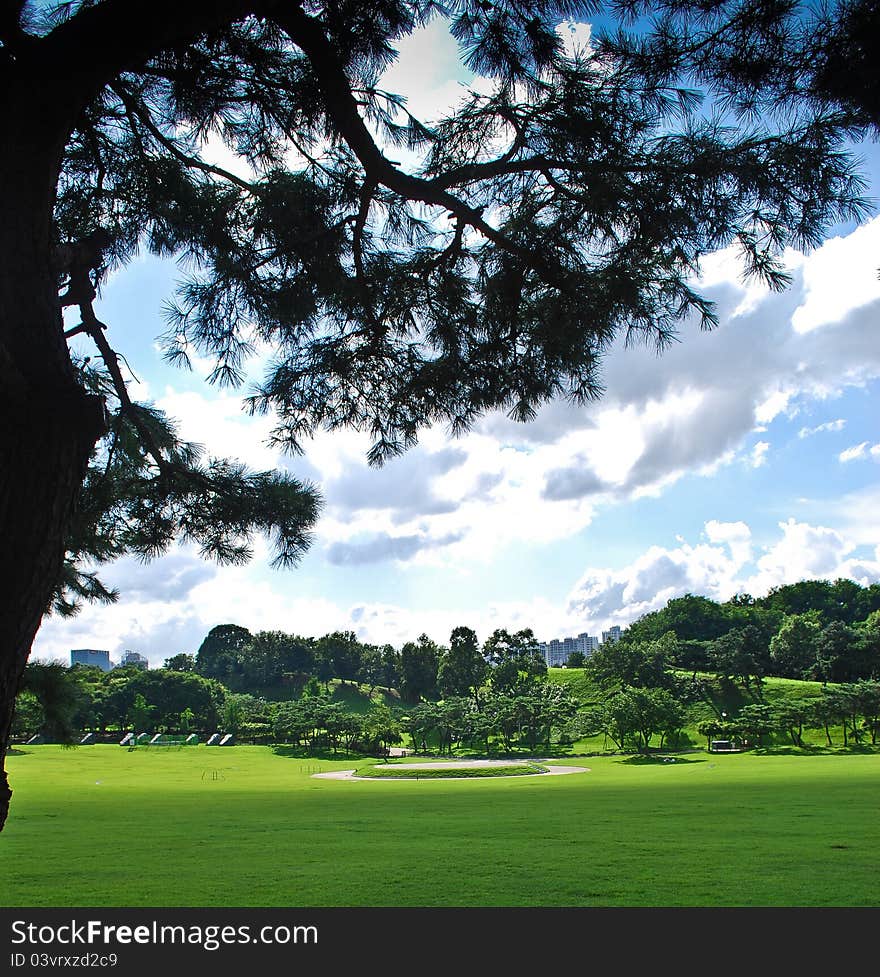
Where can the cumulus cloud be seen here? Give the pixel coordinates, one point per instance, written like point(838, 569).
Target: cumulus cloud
point(836, 425)
point(428, 71)
point(860, 451)
point(726, 563)
point(850, 263)
point(603, 597)
point(717, 570)
point(169, 579)
point(758, 456)
point(804, 552)
point(404, 485)
point(383, 547)
point(576, 37)
point(853, 453)
point(736, 535)
point(575, 482)
point(688, 411)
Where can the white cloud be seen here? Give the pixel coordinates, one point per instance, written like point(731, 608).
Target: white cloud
point(576, 37)
point(839, 277)
point(856, 451)
point(837, 425)
point(428, 71)
point(736, 535)
point(719, 571)
point(804, 552)
point(758, 455)
point(603, 596)
point(726, 267)
point(689, 411)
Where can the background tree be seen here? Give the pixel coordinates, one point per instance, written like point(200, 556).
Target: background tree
point(370, 668)
point(565, 204)
point(868, 697)
point(634, 663)
point(60, 698)
point(869, 638)
point(711, 729)
point(218, 654)
point(755, 721)
point(382, 728)
point(265, 657)
point(293, 722)
point(690, 617)
point(842, 705)
point(793, 647)
point(839, 600)
point(94, 685)
point(840, 654)
point(617, 716)
point(232, 712)
point(462, 669)
point(169, 694)
point(542, 709)
point(185, 721)
point(29, 717)
point(140, 714)
point(640, 714)
point(741, 655)
point(794, 715)
point(342, 651)
point(182, 662)
point(515, 660)
point(419, 662)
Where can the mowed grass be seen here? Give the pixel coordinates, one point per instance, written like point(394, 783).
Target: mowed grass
point(243, 826)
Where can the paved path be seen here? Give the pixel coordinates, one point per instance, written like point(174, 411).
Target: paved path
point(451, 765)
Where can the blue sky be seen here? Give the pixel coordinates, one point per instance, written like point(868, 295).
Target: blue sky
point(738, 460)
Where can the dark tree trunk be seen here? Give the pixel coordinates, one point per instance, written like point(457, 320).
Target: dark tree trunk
point(48, 425)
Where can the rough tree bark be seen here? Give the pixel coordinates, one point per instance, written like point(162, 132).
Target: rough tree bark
point(48, 424)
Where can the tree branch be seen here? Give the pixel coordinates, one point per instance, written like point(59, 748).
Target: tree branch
point(138, 109)
point(342, 106)
point(86, 51)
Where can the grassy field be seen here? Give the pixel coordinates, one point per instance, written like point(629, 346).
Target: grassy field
point(246, 826)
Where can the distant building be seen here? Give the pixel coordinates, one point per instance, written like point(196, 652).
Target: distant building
point(90, 656)
point(587, 644)
point(555, 654)
point(133, 658)
point(611, 635)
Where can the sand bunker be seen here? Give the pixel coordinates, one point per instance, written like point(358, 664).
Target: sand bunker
point(452, 765)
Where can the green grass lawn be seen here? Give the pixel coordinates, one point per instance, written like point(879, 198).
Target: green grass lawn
point(244, 826)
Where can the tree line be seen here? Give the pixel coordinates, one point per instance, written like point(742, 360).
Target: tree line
point(270, 686)
point(816, 630)
point(460, 693)
point(693, 654)
point(643, 696)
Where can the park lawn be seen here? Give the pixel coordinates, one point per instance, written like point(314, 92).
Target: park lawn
point(244, 826)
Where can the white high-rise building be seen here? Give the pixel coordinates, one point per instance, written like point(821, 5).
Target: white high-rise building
point(556, 656)
point(612, 634)
point(587, 644)
point(134, 658)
